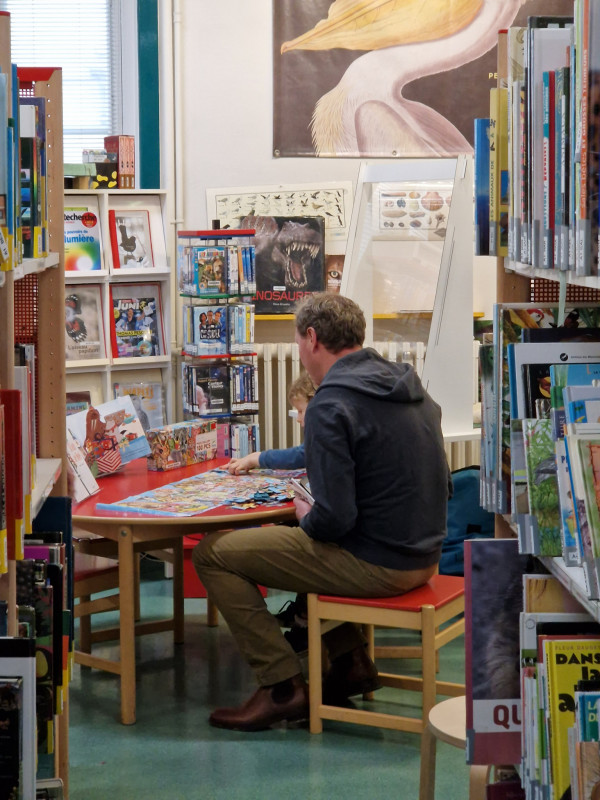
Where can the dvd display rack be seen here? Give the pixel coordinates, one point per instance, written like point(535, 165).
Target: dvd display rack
point(219, 373)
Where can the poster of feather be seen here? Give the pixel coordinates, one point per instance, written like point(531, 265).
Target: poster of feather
point(387, 78)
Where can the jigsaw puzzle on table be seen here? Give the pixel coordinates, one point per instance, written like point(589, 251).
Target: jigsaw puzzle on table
point(192, 496)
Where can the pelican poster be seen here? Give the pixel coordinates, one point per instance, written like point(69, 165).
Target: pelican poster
point(387, 78)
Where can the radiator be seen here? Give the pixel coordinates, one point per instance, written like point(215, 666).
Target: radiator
point(279, 364)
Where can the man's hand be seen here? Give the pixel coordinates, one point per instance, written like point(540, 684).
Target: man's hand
point(239, 466)
point(302, 507)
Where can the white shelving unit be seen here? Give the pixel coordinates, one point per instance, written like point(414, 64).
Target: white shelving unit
point(98, 375)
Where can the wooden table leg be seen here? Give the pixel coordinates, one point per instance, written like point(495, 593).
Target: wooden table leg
point(178, 599)
point(127, 624)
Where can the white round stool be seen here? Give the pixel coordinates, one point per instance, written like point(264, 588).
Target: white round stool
point(447, 722)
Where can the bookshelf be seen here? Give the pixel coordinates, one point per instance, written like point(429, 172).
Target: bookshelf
point(30, 293)
point(556, 286)
point(98, 373)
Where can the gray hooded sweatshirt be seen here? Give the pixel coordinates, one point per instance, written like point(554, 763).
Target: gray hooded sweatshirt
point(376, 463)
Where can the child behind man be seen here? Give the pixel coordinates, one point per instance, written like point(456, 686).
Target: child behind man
point(300, 392)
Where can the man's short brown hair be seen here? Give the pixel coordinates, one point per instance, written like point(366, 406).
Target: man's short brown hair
point(338, 321)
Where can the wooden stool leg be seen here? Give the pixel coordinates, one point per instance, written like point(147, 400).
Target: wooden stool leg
point(315, 683)
point(428, 663)
point(427, 779)
point(369, 631)
point(479, 776)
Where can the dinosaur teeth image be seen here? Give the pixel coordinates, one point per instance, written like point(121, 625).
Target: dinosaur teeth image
point(290, 260)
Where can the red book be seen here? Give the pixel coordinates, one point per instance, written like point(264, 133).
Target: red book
point(13, 459)
point(3, 553)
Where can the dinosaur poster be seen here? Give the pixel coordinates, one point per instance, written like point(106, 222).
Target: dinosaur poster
point(290, 261)
point(387, 78)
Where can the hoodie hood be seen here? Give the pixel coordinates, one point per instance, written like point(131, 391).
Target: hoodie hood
point(365, 371)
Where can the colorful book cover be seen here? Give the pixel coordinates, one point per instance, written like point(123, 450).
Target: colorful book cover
point(137, 321)
point(492, 608)
point(542, 484)
point(212, 390)
point(130, 239)
point(482, 186)
point(111, 435)
point(83, 243)
point(84, 322)
point(510, 320)
point(290, 261)
point(148, 401)
point(567, 661)
point(571, 544)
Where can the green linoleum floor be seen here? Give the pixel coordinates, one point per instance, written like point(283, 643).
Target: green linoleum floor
point(172, 753)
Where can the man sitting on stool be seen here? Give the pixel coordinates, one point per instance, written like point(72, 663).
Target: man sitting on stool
point(380, 480)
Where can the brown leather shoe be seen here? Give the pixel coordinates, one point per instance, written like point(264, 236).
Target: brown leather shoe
point(349, 674)
point(286, 701)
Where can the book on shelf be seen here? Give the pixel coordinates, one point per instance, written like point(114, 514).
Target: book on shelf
point(147, 399)
point(290, 261)
point(23, 384)
point(548, 42)
point(130, 239)
point(566, 661)
point(18, 661)
point(493, 692)
point(3, 498)
point(30, 171)
point(120, 150)
point(493, 176)
point(84, 322)
point(542, 487)
point(515, 79)
point(521, 354)
point(83, 240)
point(13, 453)
point(137, 320)
point(111, 435)
point(11, 725)
point(41, 244)
point(510, 321)
point(78, 401)
point(481, 170)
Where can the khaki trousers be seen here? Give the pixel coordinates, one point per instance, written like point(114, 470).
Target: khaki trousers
point(231, 564)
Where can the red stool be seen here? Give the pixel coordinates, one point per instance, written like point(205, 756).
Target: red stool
point(424, 609)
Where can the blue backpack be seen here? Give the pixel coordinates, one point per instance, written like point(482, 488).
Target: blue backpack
point(466, 520)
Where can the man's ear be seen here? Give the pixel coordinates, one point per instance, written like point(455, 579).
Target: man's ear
point(311, 335)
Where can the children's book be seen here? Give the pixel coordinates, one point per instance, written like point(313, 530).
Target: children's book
point(566, 661)
point(137, 321)
point(492, 608)
point(111, 435)
point(130, 239)
point(84, 322)
point(78, 401)
point(147, 400)
point(542, 485)
point(83, 242)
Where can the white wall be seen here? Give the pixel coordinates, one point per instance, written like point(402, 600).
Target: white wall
point(225, 62)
